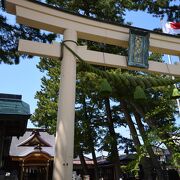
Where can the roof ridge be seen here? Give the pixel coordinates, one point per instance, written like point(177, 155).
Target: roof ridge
point(29, 140)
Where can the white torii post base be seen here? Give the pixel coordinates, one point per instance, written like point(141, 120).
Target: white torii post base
point(64, 142)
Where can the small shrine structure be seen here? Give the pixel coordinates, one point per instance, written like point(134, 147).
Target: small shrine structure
point(14, 114)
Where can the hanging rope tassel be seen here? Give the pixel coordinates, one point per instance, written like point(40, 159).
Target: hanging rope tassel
point(175, 93)
point(105, 88)
point(139, 93)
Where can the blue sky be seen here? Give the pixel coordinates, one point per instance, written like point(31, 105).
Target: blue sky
point(24, 79)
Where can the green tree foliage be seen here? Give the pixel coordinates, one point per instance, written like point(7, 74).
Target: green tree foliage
point(160, 8)
point(10, 35)
point(107, 10)
point(46, 113)
point(113, 10)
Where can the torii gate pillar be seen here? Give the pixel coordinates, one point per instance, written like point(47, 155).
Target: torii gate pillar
point(64, 142)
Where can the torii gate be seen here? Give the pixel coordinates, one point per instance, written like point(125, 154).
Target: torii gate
point(42, 16)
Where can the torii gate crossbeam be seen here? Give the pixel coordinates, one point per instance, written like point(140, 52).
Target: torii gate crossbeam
point(95, 57)
point(39, 15)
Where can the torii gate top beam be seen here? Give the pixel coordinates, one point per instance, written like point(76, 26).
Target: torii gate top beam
point(39, 15)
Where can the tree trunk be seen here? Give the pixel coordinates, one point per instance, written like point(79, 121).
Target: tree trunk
point(154, 158)
point(114, 149)
point(91, 142)
point(147, 167)
point(167, 140)
point(95, 164)
point(83, 162)
point(130, 124)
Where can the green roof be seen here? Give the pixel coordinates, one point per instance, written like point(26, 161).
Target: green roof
point(12, 104)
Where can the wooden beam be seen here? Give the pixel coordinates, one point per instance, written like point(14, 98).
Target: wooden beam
point(43, 17)
point(39, 49)
point(95, 57)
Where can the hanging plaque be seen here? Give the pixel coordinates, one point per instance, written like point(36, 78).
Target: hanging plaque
point(138, 51)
